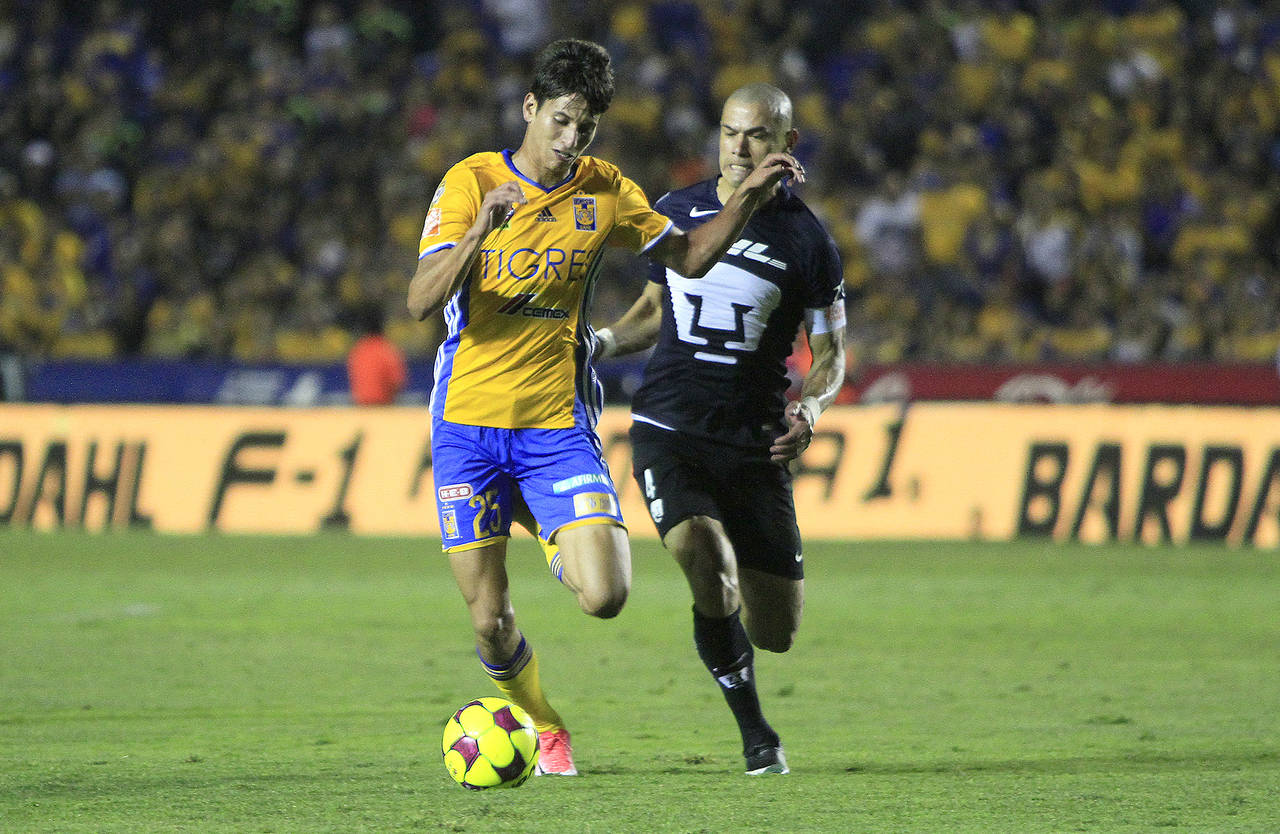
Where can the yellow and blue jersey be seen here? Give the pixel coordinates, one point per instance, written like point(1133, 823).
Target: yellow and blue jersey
point(517, 349)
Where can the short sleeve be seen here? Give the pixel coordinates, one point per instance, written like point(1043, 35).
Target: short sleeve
point(657, 272)
point(826, 282)
point(452, 211)
point(637, 226)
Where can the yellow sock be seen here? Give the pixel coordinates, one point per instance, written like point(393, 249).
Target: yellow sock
point(518, 681)
point(552, 552)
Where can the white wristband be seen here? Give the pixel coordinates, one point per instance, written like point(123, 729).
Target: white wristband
point(812, 409)
point(608, 344)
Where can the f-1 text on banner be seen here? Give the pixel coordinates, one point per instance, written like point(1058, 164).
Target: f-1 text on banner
point(992, 471)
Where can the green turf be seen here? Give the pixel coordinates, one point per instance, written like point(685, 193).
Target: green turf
point(152, 683)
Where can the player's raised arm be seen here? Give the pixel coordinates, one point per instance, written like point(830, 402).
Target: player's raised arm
point(440, 274)
point(693, 253)
point(637, 329)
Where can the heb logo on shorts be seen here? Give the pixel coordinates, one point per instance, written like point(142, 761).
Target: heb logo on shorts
point(454, 492)
point(594, 503)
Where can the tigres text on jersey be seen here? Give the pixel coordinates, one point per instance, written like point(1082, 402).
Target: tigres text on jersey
point(516, 353)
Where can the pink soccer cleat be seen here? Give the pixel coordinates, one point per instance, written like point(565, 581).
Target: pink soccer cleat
point(555, 754)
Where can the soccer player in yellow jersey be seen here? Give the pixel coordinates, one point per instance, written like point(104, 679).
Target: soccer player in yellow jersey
point(509, 252)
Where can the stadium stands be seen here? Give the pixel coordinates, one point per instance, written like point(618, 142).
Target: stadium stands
point(1007, 182)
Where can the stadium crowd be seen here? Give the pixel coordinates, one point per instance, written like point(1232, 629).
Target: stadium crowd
point(1035, 180)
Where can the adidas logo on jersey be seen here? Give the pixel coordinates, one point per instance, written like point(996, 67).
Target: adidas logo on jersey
point(545, 216)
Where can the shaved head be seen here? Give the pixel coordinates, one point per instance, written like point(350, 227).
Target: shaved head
point(755, 122)
point(769, 99)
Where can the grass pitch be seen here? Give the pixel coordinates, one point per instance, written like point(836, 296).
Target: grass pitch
point(204, 684)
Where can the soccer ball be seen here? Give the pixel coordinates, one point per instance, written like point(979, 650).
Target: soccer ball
point(490, 743)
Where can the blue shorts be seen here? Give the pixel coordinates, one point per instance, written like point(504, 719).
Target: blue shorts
point(560, 473)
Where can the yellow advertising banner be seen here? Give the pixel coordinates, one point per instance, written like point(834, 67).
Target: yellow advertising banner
point(983, 471)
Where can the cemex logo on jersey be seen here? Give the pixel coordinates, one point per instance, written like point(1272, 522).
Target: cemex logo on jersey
point(519, 306)
point(753, 251)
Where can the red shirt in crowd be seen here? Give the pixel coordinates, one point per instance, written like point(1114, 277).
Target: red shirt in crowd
point(376, 370)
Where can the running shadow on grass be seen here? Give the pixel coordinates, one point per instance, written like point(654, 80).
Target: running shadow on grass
point(1133, 762)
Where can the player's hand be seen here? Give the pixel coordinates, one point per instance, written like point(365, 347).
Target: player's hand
point(798, 437)
point(500, 203)
point(775, 168)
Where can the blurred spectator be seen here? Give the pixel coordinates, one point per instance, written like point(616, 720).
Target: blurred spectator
point(1007, 181)
point(888, 226)
point(375, 366)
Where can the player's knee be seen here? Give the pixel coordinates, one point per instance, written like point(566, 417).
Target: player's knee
point(699, 547)
point(604, 597)
point(772, 638)
point(774, 642)
point(604, 601)
point(606, 609)
point(494, 629)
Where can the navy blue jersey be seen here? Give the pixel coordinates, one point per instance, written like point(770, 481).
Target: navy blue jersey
point(719, 368)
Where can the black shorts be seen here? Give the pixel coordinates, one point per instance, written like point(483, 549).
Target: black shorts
point(682, 476)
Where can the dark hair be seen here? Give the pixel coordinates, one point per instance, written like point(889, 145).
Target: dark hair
point(574, 66)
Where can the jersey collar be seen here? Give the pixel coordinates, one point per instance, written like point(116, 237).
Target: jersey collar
point(573, 171)
point(779, 198)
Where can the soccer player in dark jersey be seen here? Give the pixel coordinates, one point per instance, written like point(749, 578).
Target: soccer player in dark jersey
point(712, 431)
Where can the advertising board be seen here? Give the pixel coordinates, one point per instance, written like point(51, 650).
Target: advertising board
point(982, 471)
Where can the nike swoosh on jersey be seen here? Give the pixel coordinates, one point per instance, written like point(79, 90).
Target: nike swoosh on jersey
point(702, 212)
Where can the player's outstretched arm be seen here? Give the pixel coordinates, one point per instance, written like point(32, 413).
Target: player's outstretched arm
point(819, 390)
point(637, 329)
point(693, 253)
point(440, 274)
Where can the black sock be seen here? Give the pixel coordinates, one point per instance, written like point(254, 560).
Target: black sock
point(727, 653)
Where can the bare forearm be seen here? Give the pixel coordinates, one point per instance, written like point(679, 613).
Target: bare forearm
point(637, 329)
point(692, 254)
point(819, 390)
point(822, 384)
point(632, 337)
point(441, 274)
point(824, 380)
point(708, 242)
